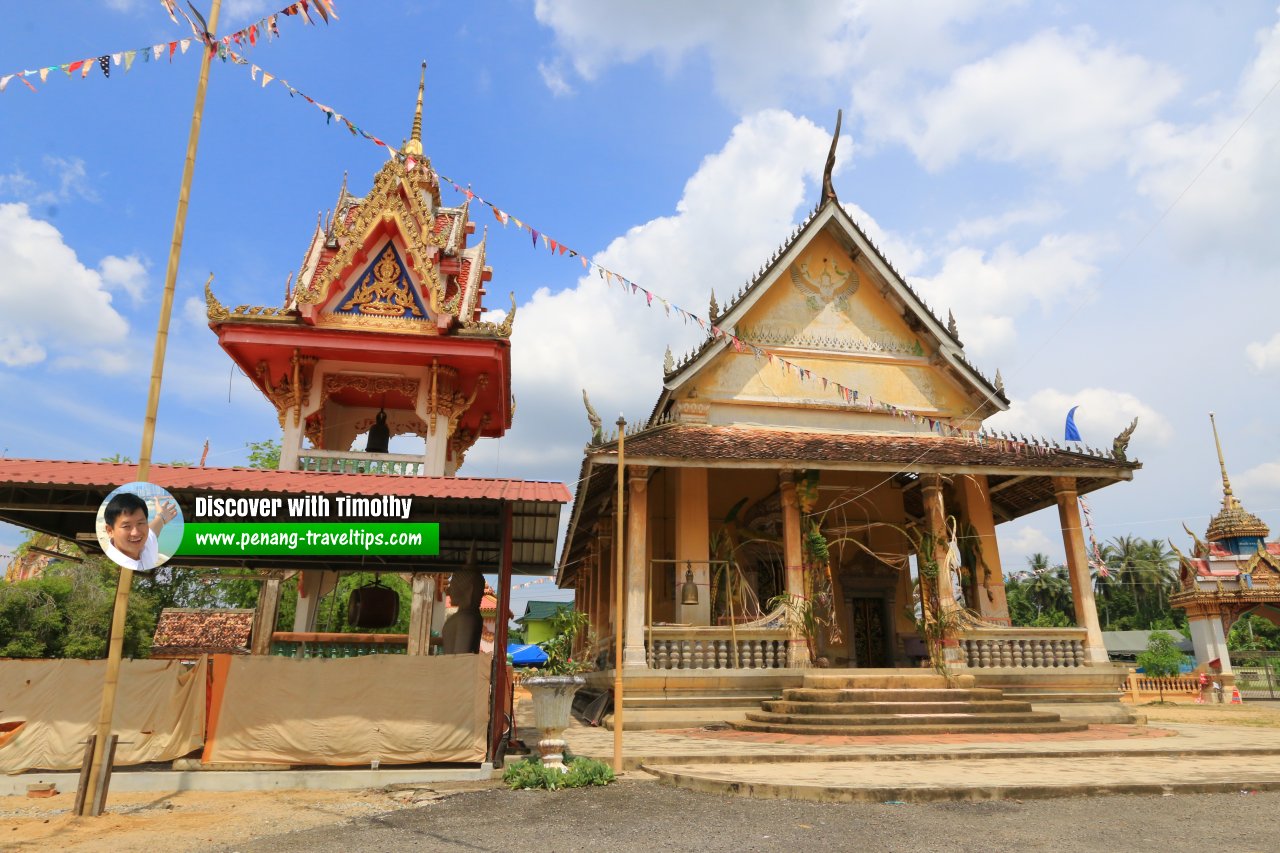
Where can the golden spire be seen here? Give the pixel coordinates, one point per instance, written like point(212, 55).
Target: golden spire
point(1228, 499)
point(1233, 520)
point(414, 145)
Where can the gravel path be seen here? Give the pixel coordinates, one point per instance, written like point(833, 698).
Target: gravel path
point(643, 816)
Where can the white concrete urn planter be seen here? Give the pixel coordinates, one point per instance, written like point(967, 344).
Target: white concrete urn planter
point(552, 702)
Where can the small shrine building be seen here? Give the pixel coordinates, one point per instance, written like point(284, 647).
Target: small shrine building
point(1232, 572)
point(380, 334)
point(753, 482)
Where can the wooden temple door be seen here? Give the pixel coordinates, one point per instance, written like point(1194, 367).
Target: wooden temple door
point(869, 643)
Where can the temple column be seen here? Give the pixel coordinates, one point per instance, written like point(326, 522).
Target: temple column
point(936, 521)
point(991, 603)
point(1064, 489)
point(290, 443)
point(604, 582)
point(420, 613)
point(633, 651)
point(1209, 639)
point(264, 615)
point(793, 560)
point(693, 543)
point(312, 586)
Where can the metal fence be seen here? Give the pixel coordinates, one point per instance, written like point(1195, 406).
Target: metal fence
point(1257, 674)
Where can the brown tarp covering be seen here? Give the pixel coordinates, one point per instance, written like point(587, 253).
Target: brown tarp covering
point(396, 709)
point(55, 704)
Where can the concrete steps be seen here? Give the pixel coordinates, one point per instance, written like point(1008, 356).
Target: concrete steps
point(901, 720)
point(872, 708)
point(877, 703)
point(915, 728)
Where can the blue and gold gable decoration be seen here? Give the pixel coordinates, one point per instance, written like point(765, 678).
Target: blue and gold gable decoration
point(384, 289)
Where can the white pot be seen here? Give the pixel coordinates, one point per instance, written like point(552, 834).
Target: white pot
point(552, 703)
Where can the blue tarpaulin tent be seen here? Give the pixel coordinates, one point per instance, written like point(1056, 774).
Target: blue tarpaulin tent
point(525, 655)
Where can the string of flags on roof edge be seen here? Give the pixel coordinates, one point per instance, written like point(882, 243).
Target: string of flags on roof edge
point(851, 396)
point(266, 27)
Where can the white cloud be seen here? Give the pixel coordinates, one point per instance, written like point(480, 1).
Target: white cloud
point(69, 175)
point(987, 289)
point(986, 227)
point(738, 207)
point(1265, 355)
point(1056, 97)
point(905, 255)
point(1019, 541)
point(1261, 480)
point(128, 274)
point(50, 302)
point(1221, 176)
point(553, 75)
point(195, 313)
point(1103, 413)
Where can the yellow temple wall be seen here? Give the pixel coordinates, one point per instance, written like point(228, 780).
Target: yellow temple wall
point(743, 389)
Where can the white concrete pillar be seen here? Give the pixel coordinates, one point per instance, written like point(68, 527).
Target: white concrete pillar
point(312, 586)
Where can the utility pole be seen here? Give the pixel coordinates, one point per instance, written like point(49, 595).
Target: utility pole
point(93, 798)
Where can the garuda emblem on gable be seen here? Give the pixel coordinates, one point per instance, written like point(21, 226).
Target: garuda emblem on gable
point(384, 290)
point(830, 286)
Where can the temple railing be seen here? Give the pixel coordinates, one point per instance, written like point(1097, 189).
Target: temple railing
point(314, 644)
point(356, 462)
point(756, 645)
point(1023, 648)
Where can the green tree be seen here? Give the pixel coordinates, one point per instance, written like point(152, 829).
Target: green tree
point(1162, 659)
point(1253, 633)
point(264, 454)
point(66, 613)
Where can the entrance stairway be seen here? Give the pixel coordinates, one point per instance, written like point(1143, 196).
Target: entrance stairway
point(898, 703)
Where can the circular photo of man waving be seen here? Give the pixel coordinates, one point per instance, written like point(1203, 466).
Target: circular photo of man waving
point(139, 526)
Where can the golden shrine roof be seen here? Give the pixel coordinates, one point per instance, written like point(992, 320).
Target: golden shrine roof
point(1234, 520)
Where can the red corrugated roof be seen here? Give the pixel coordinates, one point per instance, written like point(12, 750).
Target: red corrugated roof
point(111, 474)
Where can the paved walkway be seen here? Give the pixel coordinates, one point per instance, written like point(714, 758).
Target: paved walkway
point(1163, 758)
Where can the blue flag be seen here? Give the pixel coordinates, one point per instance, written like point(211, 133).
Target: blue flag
point(1073, 434)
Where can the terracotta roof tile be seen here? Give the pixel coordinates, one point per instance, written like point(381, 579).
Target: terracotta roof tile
point(44, 472)
point(740, 443)
point(183, 632)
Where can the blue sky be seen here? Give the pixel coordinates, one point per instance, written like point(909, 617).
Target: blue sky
point(1091, 188)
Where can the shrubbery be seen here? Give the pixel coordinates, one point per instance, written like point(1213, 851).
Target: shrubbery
point(530, 773)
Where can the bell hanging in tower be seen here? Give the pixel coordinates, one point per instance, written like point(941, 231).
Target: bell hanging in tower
point(379, 435)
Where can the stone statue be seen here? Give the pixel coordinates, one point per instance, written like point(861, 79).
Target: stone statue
point(461, 632)
point(597, 431)
point(1121, 443)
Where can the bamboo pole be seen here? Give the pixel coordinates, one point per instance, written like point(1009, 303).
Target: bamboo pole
point(620, 599)
point(115, 650)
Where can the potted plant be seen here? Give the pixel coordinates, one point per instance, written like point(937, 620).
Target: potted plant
point(553, 688)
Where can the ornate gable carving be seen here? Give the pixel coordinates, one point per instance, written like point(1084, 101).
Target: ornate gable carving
point(393, 200)
point(384, 289)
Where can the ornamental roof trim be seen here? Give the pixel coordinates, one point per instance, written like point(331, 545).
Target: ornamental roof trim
point(828, 210)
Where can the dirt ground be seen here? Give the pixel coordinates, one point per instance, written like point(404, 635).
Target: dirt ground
point(1261, 714)
point(190, 820)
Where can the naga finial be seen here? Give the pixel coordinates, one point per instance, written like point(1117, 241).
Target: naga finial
point(999, 381)
point(597, 425)
point(1121, 443)
point(828, 189)
point(668, 362)
point(713, 308)
point(952, 329)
